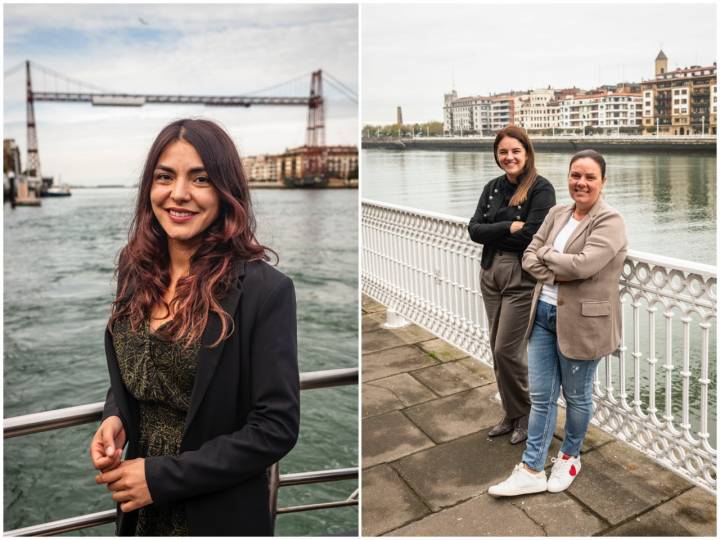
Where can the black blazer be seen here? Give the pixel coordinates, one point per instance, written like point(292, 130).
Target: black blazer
point(485, 227)
point(244, 413)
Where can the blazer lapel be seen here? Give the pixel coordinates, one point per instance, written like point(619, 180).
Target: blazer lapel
point(208, 357)
point(584, 223)
point(561, 220)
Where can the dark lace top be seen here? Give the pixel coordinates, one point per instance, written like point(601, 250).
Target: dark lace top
point(160, 375)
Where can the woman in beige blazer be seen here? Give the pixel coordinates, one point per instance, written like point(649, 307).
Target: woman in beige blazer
point(577, 256)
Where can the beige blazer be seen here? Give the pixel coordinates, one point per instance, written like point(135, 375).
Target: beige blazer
point(587, 274)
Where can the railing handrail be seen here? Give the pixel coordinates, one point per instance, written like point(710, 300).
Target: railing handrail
point(90, 412)
point(680, 264)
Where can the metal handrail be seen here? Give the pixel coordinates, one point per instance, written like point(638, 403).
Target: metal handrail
point(92, 412)
point(108, 516)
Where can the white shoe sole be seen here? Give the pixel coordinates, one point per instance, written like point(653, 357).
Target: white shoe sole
point(514, 493)
point(558, 489)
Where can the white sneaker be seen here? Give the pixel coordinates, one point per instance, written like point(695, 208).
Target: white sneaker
point(520, 482)
point(564, 470)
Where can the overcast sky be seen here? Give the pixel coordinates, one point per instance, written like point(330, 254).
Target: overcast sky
point(173, 49)
point(410, 57)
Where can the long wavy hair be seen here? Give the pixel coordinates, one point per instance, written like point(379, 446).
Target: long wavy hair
point(143, 268)
point(529, 173)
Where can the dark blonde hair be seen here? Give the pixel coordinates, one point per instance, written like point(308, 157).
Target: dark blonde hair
point(527, 177)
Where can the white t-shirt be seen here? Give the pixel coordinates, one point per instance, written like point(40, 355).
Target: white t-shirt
point(549, 294)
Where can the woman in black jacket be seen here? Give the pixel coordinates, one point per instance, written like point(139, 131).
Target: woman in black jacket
point(201, 348)
point(511, 209)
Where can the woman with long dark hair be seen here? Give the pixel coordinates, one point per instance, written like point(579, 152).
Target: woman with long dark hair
point(510, 211)
point(201, 347)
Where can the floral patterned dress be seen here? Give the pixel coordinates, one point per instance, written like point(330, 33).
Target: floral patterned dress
point(160, 374)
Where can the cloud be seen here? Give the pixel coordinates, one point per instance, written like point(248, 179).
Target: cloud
point(225, 49)
point(412, 57)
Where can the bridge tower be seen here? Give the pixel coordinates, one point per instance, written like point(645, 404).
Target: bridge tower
point(315, 135)
point(33, 158)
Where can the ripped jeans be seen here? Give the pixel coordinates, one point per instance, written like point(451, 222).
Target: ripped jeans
point(548, 370)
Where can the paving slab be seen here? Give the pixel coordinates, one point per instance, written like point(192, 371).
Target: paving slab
point(412, 333)
point(393, 361)
point(453, 472)
point(442, 350)
point(387, 502)
point(453, 377)
point(691, 514)
point(390, 436)
point(370, 306)
point(372, 322)
point(406, 388)
point(481, 516)
point(559, 515)
point(618, 482)
point(377, 400)
point(459, 414)
point(595, 437)
point(380, 340)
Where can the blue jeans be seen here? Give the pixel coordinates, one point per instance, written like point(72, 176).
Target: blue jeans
point(548, 370)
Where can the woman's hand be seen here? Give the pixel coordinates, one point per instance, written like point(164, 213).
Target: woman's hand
point(107, 444)
point(515, 226)
point(127, 484)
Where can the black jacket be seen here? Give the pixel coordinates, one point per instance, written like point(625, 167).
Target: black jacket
point(244, 413)
point(492, 230)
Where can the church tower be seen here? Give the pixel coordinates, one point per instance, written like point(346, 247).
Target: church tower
point(660, 64)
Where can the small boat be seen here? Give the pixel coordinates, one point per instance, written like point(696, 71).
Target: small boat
point(58, 191)
point(51, 189)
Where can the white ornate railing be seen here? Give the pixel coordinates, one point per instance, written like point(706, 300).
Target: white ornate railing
point(424, 266)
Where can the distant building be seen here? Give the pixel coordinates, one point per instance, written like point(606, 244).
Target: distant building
point(680, 102)
point(11, 157)
point(467, 115)
point(502, 112)
point(399, 116)
point(336, 161)
point(263, 168)
point(602, 109)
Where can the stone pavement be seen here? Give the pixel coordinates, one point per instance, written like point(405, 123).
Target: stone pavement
point(428, 462)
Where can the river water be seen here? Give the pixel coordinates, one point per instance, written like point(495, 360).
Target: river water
point(668, 202)
point(57, 282)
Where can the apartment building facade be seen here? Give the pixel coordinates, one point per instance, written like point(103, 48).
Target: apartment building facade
point(680, 102)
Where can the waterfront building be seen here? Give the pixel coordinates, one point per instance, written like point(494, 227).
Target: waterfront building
point(502, 111)
point(336, 161)
point(11, 156)
point(601, 109)
point(262, 168)
point(467, 115)
point(680, 102)
point(471, 115)
point(538, 110)
point(399, 116)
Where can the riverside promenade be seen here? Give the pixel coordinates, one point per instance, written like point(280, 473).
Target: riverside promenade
point(428, 462)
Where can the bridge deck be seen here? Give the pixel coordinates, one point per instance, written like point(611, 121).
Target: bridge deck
point(427, 461)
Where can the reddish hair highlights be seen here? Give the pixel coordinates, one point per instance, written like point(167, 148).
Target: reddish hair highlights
point(529, 174)
point(143, 265)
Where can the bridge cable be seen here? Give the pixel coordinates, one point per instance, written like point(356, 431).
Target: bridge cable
point(343, 91)
point(338, 81)
point(81, 84)
point(294, 79)
point(14, 69)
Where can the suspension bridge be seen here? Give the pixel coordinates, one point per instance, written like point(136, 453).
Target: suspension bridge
point(68, 89)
